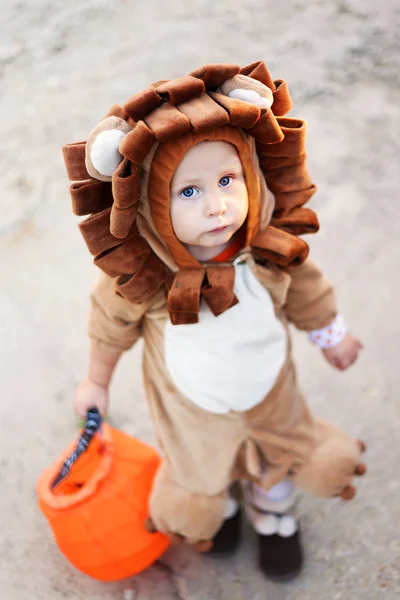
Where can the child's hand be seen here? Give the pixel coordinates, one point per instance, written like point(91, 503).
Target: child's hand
point(344, 354)
point(90, 394)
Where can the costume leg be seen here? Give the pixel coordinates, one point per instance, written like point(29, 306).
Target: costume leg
point(183, 515)
point(317, 455)
point(190, 491)
point(314, 454)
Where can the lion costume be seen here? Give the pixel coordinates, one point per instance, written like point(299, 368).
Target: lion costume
point(217, 364)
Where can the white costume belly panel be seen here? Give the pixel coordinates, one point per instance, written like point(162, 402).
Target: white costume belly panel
point(232, 361)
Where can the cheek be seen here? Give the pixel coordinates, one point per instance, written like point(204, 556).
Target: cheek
point(176, 217)
point(182, 219)
point(240, 204)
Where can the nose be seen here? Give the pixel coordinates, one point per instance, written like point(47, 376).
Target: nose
point(215, 205)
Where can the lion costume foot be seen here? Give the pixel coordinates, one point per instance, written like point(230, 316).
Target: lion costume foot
point(185, 516)
point(333, 464)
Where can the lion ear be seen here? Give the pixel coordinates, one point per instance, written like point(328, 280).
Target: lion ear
point(102, 148)
point(247, 89)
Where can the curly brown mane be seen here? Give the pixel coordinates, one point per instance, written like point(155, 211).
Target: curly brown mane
point(165, 111)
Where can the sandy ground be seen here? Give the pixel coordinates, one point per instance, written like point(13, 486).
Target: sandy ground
point(62, 64)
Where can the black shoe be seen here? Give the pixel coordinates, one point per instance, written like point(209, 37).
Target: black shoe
point(280, 558)
point(228, 537)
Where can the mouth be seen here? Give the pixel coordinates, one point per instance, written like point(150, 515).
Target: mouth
point(218, 229)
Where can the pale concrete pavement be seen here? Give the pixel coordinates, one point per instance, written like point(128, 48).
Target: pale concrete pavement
point(62, 64)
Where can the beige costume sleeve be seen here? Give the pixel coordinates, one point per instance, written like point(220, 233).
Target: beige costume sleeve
point(113, 320)
point(311, 302)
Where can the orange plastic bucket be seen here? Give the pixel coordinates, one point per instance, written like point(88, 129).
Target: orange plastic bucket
point(97, 512)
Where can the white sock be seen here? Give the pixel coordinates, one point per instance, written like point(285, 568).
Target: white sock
point(278, 499)
point(264, 508)
point(231, 508)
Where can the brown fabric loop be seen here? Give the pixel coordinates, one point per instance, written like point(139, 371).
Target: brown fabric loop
point(90, 196)
point(136, 145)
point(121, 220)
point(74, 158)
point(145, 282)
point(204, 113)
point(126, 184)
point(184, 296)
point(96, 233)
point(294, 132)
point(282, 100)
point(183, 317)
point(288, 179)
point(181, 89)
point(267, 129)
point(284, 167)
point(241, 114)
point(215, 74)
point(167, 122)
point(218, 289)
point(117, 111)
point(125, 258)
point(215, 284)
point(259, 71)
point(285, 202)
point(280, 247)
point(270, 163)
point(140, 104)
point(298, 221)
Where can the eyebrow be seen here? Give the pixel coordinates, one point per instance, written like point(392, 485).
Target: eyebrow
point(230, 167)
point(186, 183)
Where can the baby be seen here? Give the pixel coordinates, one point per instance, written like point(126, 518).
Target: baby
point(196, 188)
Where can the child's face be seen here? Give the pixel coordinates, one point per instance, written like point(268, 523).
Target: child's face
point(209, 200)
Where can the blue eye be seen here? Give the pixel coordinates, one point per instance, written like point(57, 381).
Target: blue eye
point(225, 181)
point(189, 192)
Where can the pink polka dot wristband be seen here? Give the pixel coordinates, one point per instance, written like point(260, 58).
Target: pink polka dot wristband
point(329, 336)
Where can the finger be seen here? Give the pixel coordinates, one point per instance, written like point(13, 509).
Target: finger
point(348, 360)
point(360, 345)
point(339, 363)
point(334, 361)
point(81, 412)
point(103, 410)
